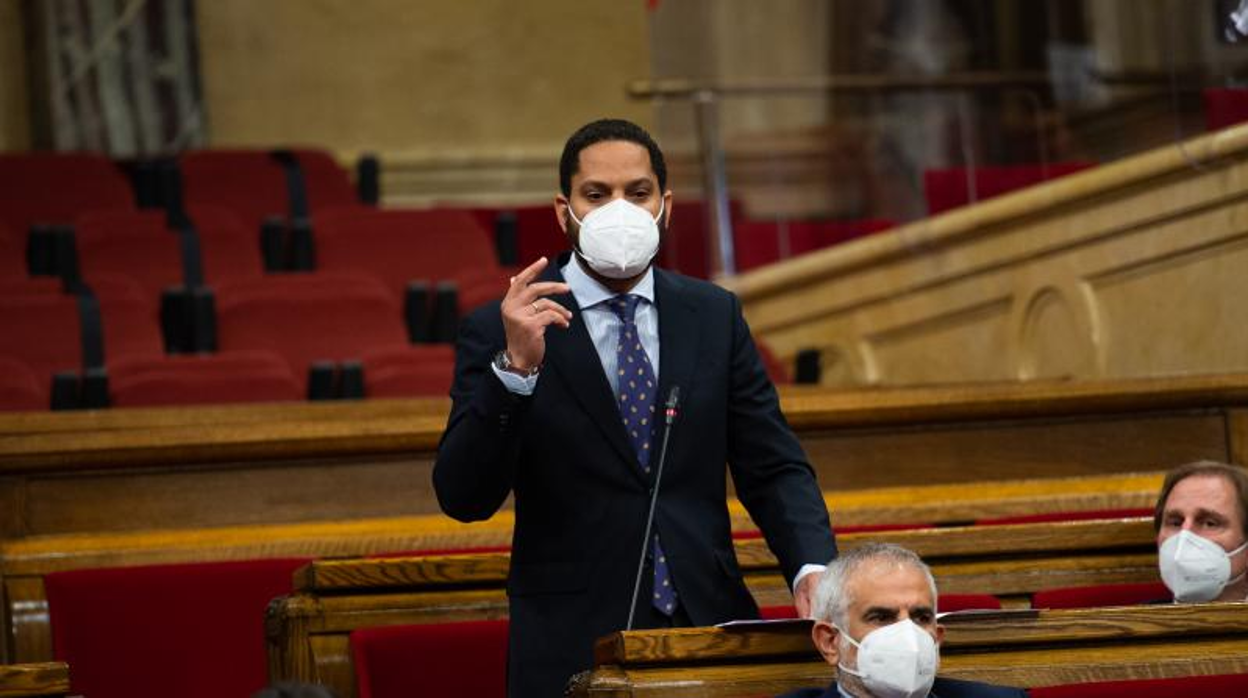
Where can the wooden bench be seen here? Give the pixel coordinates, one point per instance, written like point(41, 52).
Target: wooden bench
point(24, 562)
point(308, 631)
point(151, 469)
point(1017, 648)
point(41, 679)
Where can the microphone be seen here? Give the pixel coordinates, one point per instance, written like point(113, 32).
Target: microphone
point(671, 409)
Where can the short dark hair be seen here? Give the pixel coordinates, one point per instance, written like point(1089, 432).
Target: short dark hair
point(1231, 473)
point(608, 130)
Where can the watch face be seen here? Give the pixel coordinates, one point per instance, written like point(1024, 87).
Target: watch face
point(503, 362)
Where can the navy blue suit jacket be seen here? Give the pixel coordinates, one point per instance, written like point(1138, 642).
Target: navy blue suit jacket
point(580, 497)
point(943, 688)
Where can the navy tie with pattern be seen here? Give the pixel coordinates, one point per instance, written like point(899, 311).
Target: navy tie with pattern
point(636, 397)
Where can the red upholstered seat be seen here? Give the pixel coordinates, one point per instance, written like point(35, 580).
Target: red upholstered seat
point(443, 659)
point(1101, 595)
point(949, 188)
point(197, 630)
point(252, 183)
point(12, 255)
point(131, 320)
point(20, 387)
point(399, 246)
point(42, 326)
point(1221, 686)
point(764, 242)
point(1225, 107)
point(57, 188)
point(777, 612)
point(243, 376)
point(538, 233)
point(139, 245)
point(950, 603)
point(686, 248)
point(309, 317)
point(41, 329)
point(410, 371)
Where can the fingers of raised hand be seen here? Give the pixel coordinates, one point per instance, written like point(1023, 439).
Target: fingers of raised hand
point(526, 276)
point(545, 311)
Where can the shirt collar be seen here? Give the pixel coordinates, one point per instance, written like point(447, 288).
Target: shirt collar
point(588, 292)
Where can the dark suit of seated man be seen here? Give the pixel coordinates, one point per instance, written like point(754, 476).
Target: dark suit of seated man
point(875, 621)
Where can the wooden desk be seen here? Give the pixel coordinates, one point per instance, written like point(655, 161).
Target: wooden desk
point(42, 679)
point(1026, 649)
point(308, 631)
point(232, 466)
point(25, 561)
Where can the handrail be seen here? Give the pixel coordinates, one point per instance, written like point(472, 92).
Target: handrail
point(688, 88)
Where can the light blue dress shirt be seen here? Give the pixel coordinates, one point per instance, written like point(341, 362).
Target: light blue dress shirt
point(604, 330)
point(602, 323)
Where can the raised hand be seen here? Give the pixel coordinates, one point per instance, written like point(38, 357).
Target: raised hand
point(527, 312)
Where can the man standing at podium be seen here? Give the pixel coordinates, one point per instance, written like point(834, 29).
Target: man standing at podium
point(561, 399)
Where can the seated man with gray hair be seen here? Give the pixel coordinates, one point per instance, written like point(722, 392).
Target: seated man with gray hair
point(875, 621)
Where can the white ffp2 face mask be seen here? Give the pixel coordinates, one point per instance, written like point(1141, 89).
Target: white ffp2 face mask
point(896, 661)
point(618, 239)
point(1195, 569)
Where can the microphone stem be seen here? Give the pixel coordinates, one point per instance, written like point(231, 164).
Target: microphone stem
point(654, 498)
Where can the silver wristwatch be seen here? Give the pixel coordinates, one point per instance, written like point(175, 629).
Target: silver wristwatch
point(502, 361)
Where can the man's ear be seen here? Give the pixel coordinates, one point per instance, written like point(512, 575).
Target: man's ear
point(667, 208)
point(825, 637)
point(940, 634)
point(561, 212)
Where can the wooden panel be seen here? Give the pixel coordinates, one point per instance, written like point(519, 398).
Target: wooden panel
point(1190, 290)
point(308, 630)
point(23, 562)
point(26, 621)
point(1237, 435)
point(168, 470)
point(965, 633)
point(41, 679)
point(947, 504)
point(156, 418)
point(934, 545)
point(233, 494)
point(1127, 269)
point(219, 443)
point(1030, 668)
point(471, 62)
point(15, 135)
point(1010, 450)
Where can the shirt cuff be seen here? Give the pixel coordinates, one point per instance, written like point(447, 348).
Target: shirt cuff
point(520, 385)
point(805, 570)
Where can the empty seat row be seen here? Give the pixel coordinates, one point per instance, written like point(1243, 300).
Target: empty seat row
point(255, 184)
point(417, 253)
point(349, 320)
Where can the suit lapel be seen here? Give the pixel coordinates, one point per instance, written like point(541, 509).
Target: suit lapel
point(571, 352)
point(679, 340)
